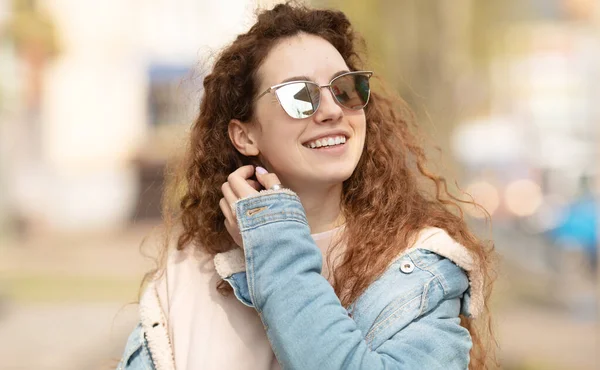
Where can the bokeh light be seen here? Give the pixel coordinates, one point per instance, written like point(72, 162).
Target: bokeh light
point(486, 195)
point(523, 197)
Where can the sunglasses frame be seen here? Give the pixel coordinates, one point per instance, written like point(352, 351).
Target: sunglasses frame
point(273, 88)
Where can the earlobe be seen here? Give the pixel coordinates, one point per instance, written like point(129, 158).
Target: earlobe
point(241, 137)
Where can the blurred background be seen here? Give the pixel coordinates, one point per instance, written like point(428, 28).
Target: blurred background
point(95, 96)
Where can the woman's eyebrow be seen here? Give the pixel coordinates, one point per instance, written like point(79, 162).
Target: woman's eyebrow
point(296, 78)
point(306, 78)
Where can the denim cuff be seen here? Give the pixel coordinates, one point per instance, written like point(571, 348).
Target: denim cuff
point(269, 206)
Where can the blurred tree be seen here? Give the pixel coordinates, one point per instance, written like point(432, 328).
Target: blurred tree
point(34, 37)
point(425, 50)
point(31, 26)
point(31, 33)
point(437, 55)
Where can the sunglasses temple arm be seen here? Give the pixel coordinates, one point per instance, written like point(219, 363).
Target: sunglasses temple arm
point(263, 93)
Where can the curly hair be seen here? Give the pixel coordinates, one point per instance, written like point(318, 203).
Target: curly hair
point(388, 199)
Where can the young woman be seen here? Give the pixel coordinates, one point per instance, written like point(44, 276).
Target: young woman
point(308, 238)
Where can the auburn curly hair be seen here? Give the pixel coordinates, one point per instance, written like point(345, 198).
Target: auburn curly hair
point(388, 199)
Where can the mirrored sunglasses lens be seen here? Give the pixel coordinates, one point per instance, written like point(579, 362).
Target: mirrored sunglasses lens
point(299, 100)
point(352, 91)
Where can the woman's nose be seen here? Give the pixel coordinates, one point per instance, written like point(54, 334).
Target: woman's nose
point(329, 109)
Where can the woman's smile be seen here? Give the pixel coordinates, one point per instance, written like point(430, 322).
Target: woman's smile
point(335, 148)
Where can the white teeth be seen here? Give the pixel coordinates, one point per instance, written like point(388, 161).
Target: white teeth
point(326, 142)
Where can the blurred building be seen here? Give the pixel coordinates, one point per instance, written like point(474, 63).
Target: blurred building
point(541, 124)
point(88, 127)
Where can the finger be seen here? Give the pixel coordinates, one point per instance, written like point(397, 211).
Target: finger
point(238, 181)
point(265, 178)
point(234, 231)
point(228, 193)
point(227, 210)
point(229, 228)
point(255, 184)
point(245, 172)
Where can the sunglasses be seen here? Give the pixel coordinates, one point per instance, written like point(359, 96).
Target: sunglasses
point(301, 99)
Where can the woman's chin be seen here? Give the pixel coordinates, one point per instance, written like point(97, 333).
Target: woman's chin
point(318, 175)
point(335, 175)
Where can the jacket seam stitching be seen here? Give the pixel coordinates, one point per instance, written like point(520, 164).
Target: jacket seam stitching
point(273, 218)
point(418, 260)
point(424, 301)
point(388, 320)
point(251, 276)
point(432, 270)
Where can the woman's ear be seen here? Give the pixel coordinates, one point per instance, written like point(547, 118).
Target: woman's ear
point(242, 138)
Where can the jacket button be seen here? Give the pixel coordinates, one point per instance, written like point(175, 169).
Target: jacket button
point(407, 267)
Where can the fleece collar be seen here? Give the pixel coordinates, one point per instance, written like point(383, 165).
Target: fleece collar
point(433, 239)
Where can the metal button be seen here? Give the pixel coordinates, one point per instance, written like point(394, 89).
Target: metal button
point(407, 267)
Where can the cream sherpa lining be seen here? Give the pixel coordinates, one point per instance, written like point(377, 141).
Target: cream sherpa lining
point(432, 239)
point(230, 262)
point(155, 328)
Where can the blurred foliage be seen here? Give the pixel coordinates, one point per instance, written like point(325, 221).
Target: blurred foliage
point(423, 48)
point(77, 288)
point(434, 54)
point(31, 29)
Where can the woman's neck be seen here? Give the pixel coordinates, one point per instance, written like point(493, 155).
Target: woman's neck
point(322, 208)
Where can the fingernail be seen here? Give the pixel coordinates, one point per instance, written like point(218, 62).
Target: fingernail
point(260, 170)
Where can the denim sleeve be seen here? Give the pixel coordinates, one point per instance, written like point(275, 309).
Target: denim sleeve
point(305, 322)
point(434, 339)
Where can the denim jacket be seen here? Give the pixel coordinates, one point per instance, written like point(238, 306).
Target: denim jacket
point(407, 319)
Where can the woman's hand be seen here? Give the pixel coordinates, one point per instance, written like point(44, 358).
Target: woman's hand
point(239, 185)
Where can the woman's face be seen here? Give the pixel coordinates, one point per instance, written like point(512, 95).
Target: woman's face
point(284, 142)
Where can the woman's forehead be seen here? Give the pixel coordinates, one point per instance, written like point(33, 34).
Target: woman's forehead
point(301, 55)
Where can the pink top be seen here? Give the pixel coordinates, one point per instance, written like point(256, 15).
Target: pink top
point(207, 330)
